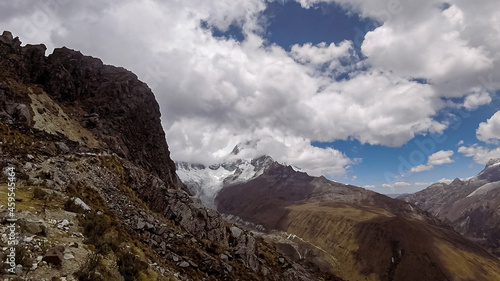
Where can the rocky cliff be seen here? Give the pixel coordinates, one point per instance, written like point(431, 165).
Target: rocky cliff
point(92, 167)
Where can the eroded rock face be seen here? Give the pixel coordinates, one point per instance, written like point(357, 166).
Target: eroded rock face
point(110, 101)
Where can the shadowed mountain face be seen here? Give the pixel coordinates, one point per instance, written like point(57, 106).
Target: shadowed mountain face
point(352, 232)
point(472, 207)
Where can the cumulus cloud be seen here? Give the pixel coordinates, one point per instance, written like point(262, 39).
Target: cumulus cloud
point(475, 100)
point(480, 154)
point(421, 168)
point(489, 131)
point(438, 158)
point(324, 55)
point(455, 47)
point(217, 92)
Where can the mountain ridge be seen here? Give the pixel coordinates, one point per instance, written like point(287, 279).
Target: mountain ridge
point(354, 233)
point(471, 207)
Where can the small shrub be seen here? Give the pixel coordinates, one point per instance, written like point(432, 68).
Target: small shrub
point(39, 193)
point(22, 257)
point(101, 231)
point(148, 275)
point(95, 269)
point(130, 263)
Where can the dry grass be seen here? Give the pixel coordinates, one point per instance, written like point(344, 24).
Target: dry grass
point(54, 120)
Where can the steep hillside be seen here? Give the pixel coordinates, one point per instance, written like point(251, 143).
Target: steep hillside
point(472, 207)
point(354, 233)
point(97, 196)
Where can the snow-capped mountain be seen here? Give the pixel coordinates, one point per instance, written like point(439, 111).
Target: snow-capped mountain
point(206, 181)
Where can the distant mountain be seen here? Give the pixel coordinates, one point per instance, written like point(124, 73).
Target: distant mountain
point(351, 232)
point(472, 207)
point(396, 195)
point(204, 182)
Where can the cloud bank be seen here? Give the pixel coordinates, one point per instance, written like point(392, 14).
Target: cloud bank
point(215, 92)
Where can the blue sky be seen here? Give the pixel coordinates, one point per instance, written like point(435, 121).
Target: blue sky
point(388, 95)
point(378, 165)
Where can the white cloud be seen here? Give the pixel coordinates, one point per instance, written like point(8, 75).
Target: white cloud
point(401, 184)
point(422, 183)
point(369, 186)
point(489, 131)
point(421, 168)
point(321, 55)
point(477, 99)
point(480, 154)
point(215, 93)
point(455, 49)
point(438, 158)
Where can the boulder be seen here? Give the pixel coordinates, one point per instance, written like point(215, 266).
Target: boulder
point(32, 227)
point(54, 255)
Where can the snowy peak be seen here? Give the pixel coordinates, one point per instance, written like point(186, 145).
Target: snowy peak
point(206, 181)
point(491, 172)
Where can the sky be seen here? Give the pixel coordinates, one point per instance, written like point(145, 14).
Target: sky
point(390, 95)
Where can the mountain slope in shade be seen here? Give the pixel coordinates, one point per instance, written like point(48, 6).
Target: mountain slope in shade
point(472, 207)
point(352, 232)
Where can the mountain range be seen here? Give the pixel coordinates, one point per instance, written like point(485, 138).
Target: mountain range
point(351, 232)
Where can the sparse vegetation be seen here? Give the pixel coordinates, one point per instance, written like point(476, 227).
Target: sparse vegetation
point(22, 257)
point(95, 269)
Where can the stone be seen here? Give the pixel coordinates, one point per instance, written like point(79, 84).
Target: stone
point(28, 239)
point(184, 264)
point(62, 146)
point(161, 230)
point(82, 204)
point(140, 224)
point(236, 231)
point(18, 270)
point(54, 255)
point(68, 256)
point(32, 227)
point(64, 223)
point(245, 251)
